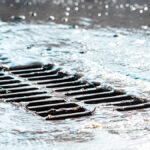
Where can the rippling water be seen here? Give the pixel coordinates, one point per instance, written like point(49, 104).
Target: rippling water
point(118, 57)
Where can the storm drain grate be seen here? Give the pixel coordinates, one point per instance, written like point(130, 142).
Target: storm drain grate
point(45, 90)
point(16, 90)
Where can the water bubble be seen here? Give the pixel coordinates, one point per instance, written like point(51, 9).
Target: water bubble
point(64, 19)
point(106, 6)
point(127, 5)
point(68, 9)
point(76, 8)
point(18, 17)
point(99, 14)
point(144, 27)
point(66, 13)
point(31, 13)
point(76, 4)
point(106, 13)
point(11, 5)
point(117, 6)
point(95, 1)
point(141, 11)
point(90, 7)
point(121, 6)
point(146, 8)
point(17, 1)
point(51, 18)
point(132, 8)
point(83, 6)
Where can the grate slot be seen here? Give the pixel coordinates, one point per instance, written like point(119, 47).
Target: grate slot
point(38, 74)
point(134, 107)
point(29, 98)
point(108, 99)
point(22, 94)
point(48, 77)
point(6, 78)
point(53, 106)
point(86, 91)
point(14, 86)
point(61, 111)
point(9, 82)
point(66, 116)
point(68, 84)
point(14, 90)
point(75, 88)
point(45, 102)
point(22, 67)
point(64, 80)
point(99, 95)
point(1, 74)
point(27, 71)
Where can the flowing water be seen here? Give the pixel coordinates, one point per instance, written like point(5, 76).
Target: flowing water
point(107, 41)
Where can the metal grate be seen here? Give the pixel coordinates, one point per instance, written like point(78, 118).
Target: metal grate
point(41, 102)
point(45, 90)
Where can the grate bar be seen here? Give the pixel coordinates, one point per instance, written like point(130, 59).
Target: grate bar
point(14, 90)
point(45, 102)
point(3, 82)
point(83, 91)
point(27, 71)
point(13, 86)
point(66, 116)
point(75, 88)
point(61, 111)
point(38, 74)
point(99, 95)
point(22, 94)
point(134, 107)
point(64, 80)
point(67, 84)
point(108, 99)
point(53, 106)
point(47, 77)
point(29, 98)
point(126, 102)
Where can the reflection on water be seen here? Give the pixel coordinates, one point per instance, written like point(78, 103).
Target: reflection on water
point(120, 13)
point(115, 56)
